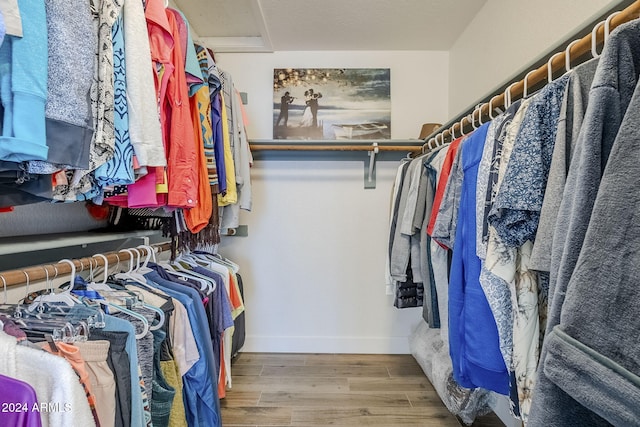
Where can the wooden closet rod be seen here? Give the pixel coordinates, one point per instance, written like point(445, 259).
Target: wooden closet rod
point(284, 147)
point(40, 272)
point(577, 48)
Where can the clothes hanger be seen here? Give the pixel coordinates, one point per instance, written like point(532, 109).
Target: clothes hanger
point(64, 297)
point(567, 56)
point(507, 95)
point(525, 89)
point(452, 132)
point(139, 270)
point(607, 25)
point(131, 274)
point(550, 67)
point(206, 283)
point(594, 39)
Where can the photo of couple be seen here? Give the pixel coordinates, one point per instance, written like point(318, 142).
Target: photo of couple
point(310, 113)
point(331, 103)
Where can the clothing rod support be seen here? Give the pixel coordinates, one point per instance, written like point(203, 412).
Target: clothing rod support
point(370, 168)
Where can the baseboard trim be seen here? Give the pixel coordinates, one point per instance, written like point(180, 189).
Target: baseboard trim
point(306, 344)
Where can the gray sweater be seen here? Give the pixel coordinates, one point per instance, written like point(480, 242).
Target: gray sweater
point(597, 323)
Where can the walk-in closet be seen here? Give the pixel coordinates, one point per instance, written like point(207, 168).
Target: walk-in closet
point(301, 213)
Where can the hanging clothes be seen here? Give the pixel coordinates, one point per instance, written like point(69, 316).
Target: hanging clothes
point(612, 93)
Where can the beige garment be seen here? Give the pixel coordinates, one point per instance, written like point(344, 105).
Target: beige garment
point(183, 342)
point(103, 383)
point(185, 351)
point(171, 373)
point(12, 18)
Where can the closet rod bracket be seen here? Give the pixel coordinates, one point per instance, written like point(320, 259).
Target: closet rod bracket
point(370, 167)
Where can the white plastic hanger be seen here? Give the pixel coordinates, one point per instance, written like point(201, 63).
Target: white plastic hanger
point(131, 274)
point(567, 56)
point(64, 297)
point(101, 286)
point(525, 90)
point(594, 39)
point(491, 107)
point(550, 67)
point(607, 25)
point(4, 285)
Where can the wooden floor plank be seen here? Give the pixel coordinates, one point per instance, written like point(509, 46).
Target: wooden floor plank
point(360, 359)
point(324, 371)
point(406, 371)
point(242, 370)
point(421, 399)
point(240, 398)
point(390, 384)
point(281, 359)
point(385, 417)
point(334, 400)
point(291, 384)
point(256, 415)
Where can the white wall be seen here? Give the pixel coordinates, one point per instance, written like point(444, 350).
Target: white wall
point(313, 263)
point(419, 82)
point(506, 37)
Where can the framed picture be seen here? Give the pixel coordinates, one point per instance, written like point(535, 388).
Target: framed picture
point(331, 103)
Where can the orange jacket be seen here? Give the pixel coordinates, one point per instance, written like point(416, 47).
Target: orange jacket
point(182, 157)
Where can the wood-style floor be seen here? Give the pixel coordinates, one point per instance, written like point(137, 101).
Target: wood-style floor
point(334, 390)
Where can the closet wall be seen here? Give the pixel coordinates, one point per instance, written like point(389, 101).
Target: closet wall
point(506, 37)
point(314, 258)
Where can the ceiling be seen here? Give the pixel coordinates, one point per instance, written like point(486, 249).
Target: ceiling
point(307, 25)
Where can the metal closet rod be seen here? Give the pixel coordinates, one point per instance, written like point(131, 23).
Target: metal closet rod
point(40, 272)
point(556, 62)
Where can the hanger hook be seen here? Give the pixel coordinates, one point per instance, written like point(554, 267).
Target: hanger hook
point(91, 269)
point(46, 273)
point(27, 285)
point(567, 55)
point(106, 266)
point(130, 252)
point(607, 25)
point(550, 67)
point(480, 113)
point(507, 95)
point(73, 270)
point(4, 285)
point(138, 254)
point(525, 90)
point(491, 107)
point(594, 39)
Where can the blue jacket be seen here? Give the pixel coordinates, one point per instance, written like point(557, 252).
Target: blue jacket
point(473, 335)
